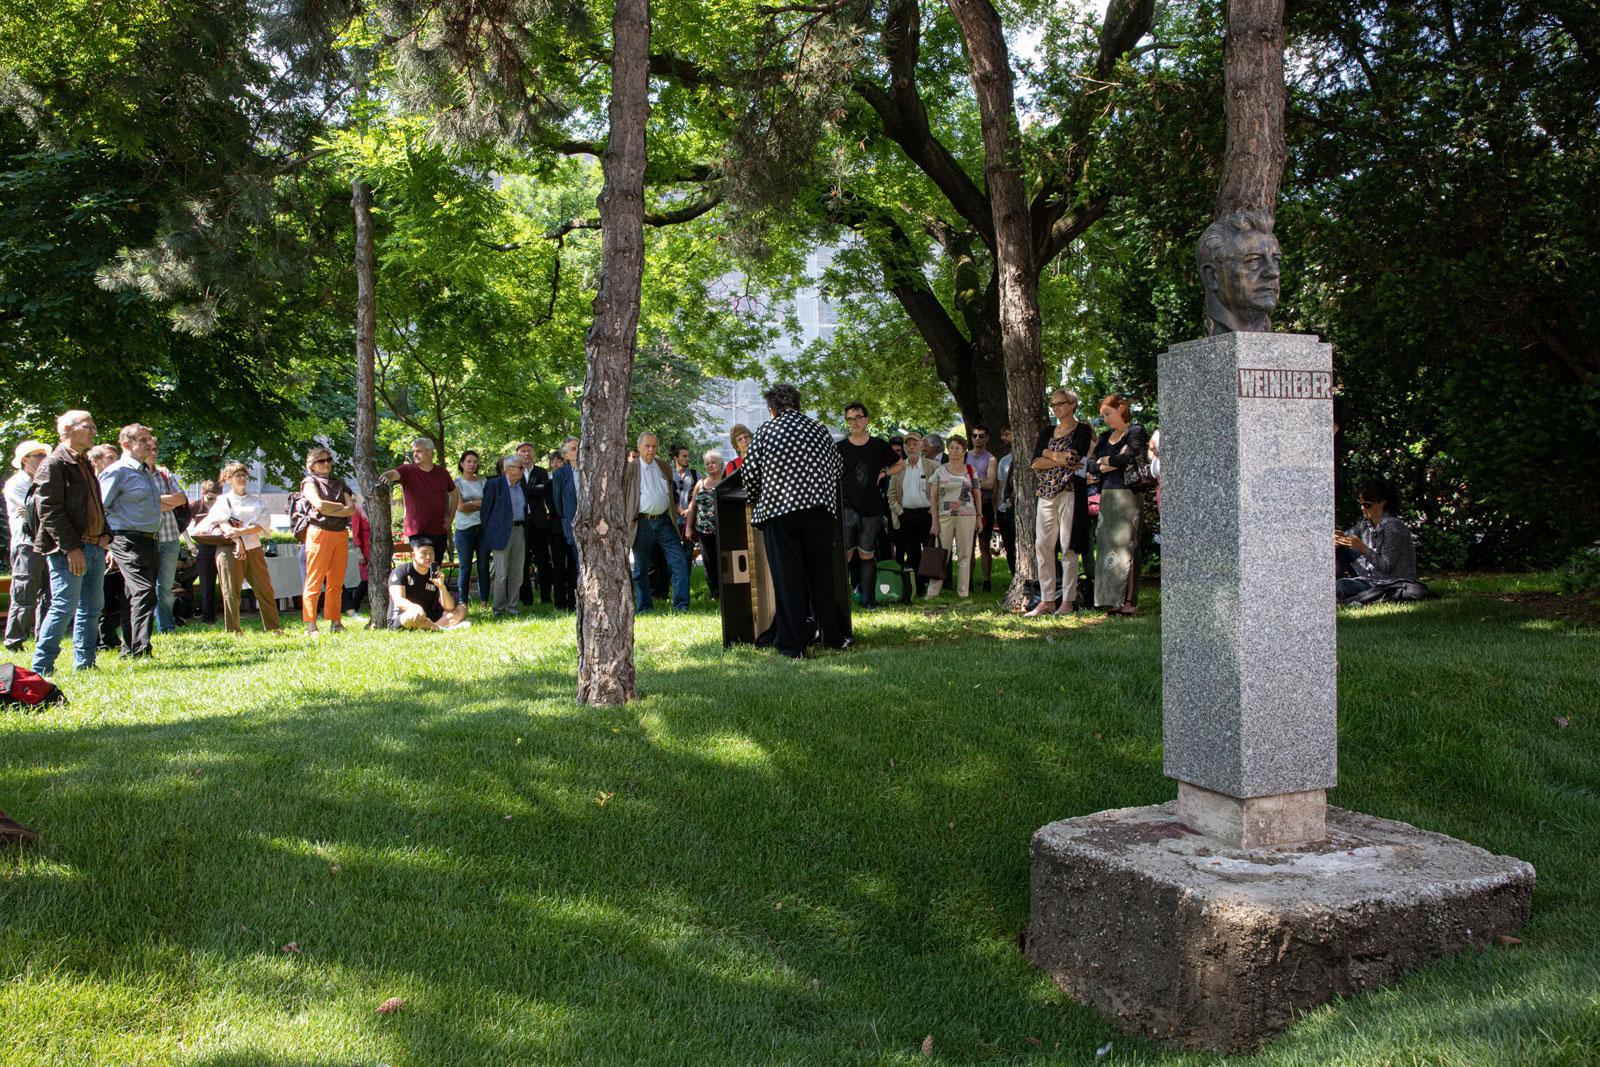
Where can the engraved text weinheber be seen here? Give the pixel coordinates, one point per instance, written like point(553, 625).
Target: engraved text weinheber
point(1285, 384)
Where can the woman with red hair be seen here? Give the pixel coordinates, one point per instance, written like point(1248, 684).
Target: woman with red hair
point(1116, 579)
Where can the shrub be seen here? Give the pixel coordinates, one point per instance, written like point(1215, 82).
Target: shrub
point(1580, 574)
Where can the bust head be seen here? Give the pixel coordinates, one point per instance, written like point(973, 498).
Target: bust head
point(1239, 261)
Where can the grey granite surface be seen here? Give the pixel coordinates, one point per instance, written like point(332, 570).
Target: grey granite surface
point(1248, 644)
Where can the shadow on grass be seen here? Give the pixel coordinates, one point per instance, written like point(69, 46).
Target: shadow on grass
point(762, 861)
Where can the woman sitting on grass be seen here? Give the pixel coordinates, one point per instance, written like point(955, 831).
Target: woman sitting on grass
point(242, 519)
point(1381, 543)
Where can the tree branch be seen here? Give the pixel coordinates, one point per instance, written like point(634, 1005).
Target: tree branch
point(902, 272)
point(1068, 228)
point(300, 161)
point(904, 119)
point(687, 213)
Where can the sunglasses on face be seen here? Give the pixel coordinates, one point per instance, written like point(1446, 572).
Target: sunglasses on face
point(1369, 503)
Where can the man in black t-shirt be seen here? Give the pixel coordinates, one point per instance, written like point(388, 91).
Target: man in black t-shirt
point(867, 461)
point(419, 597)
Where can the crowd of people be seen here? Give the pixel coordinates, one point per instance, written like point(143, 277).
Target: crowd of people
point(97, 530)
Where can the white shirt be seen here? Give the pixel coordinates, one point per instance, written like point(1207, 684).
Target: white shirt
point(654, 494)
point(914, 488)
point(247, 510)
point(16, 496)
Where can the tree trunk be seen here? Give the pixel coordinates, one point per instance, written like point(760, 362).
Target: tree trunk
point(373, 491)
point(1252, 60)
point(1020, 341)
point(605, 592)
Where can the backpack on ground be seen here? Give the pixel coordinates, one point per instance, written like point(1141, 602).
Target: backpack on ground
point(23, 688)
point(894, 584)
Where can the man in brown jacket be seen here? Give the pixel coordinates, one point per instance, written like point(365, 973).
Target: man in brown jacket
point(72, 537)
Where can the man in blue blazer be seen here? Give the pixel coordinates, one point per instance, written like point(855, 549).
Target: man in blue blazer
point(564, 502)
point(505, 519)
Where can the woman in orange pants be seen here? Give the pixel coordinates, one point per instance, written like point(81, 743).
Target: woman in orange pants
point(328, 506)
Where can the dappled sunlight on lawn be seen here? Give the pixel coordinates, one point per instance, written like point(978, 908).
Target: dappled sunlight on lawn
point(762, 861)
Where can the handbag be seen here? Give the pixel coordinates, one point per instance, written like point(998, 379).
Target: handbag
point(935, 563)
point(1136, 475)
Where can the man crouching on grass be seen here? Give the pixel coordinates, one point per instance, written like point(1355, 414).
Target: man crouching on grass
point(419, 597)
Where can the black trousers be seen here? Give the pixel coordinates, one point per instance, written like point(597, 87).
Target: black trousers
point(916, 533)
point(711, 560)
point(564, 573)
point(800, 558)
point(206, 557)
point(536, 570)
point(135, 554)
point(113, 610)
point(1006, 523)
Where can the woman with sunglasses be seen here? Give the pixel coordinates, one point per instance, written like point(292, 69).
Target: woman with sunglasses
point(1061, 514)
point(330, 505)
point(1384, 551)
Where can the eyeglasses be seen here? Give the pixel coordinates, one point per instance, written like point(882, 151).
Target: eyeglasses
point(324, 459)
point(855, 418)
point(1061, 403)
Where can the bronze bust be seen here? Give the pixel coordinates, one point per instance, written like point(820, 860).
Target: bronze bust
point(1239, 261)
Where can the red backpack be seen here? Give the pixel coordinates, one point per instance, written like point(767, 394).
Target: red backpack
point(22, 687)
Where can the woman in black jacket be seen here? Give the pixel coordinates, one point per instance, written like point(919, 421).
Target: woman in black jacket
point(1116, 581)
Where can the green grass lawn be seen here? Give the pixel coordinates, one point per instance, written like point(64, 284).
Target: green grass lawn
point(761, 862)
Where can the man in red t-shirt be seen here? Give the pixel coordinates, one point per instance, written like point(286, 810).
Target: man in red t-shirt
point(429, 495)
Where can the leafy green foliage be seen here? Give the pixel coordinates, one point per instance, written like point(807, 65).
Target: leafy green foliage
point(1580, 574)
point(1443, 155)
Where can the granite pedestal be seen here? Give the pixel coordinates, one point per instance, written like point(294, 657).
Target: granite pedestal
point(1208, 922)
point(1183, 940)
point(1248, 668)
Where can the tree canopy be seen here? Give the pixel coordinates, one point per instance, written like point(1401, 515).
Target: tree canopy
point(175, 220)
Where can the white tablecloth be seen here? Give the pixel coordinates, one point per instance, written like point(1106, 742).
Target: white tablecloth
point(288, 580)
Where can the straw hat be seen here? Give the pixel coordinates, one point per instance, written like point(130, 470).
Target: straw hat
point(26, 449)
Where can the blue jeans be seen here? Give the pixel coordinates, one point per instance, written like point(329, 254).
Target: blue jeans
point(166, 574)
point(75, 601)
point(651, 533)
point(469, 545)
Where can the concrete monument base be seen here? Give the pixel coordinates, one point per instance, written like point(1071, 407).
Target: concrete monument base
point(1184, 940)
